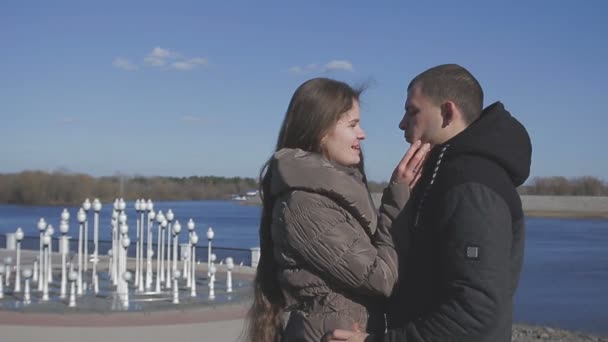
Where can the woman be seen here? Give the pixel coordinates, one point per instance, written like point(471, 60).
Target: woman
point(327, 257)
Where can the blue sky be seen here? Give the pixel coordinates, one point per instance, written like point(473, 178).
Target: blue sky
point(200, 88)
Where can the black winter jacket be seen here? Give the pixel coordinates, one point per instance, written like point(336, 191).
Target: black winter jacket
point(460, 239)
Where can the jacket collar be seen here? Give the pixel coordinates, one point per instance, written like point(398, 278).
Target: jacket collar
point(295, 169)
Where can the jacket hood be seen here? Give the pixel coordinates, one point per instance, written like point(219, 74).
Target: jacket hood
point(498, 136)
point(295, 169)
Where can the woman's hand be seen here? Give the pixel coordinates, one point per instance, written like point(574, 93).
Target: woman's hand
point(344, 335)
point(409, 168)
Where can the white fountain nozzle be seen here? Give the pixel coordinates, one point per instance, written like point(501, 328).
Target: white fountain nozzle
point(64, 227)
point(41, 224)
point(210, 233)
point(81, 216)
point(229, 263)
point(27, 273)
point(122, 204)
point(96, 205)
point(160, 217)
point(126, 242)
point(86, 205)
point(190, 225)
point(65, 215)
point(170, 215)
point(124, 229)
point(19, 234)
point(122, 218)
point(177, 228)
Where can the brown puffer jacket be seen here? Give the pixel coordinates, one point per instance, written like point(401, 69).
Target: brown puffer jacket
point(335, 252)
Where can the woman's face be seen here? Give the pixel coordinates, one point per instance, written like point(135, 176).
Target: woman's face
point(342, 144)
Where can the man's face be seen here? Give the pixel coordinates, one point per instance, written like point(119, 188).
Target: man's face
point(422, 119)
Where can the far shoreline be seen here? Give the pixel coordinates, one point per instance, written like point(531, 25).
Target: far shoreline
point(567, 215)
point(565, 207)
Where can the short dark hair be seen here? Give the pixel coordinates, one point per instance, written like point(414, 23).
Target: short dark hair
point(451, 82)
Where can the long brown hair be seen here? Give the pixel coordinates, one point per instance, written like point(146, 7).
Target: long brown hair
point(314, 109)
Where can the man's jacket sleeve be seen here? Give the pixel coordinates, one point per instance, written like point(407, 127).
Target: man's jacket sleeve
point(475, 238)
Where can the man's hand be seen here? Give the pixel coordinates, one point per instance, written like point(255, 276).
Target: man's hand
point(344, 335)
point(409, 168)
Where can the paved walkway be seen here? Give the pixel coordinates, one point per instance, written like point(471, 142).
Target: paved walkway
point(219, 331)
point(223, 323)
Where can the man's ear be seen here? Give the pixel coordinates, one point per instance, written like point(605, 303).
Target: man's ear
point(449, 113)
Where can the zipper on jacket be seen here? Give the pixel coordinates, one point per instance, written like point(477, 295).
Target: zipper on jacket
point(428, 187)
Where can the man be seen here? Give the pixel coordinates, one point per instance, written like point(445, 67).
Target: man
point(461, 237)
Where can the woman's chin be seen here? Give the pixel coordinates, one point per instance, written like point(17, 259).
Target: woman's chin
point(355, 162)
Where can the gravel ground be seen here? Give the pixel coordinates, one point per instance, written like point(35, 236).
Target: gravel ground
point(529, 333)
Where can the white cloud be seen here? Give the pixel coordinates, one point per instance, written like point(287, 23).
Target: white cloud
point(123, 63)
point(159, 56)
point(296, 70)
point(163, 58)
point(160, 52)
point(154, 61)
point(339, 65)
point(188, 64)
point(329, 66)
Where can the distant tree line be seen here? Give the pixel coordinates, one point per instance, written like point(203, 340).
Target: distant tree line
point(548, 186)
point(562, 186)
point(64, 188)
point(43, 188)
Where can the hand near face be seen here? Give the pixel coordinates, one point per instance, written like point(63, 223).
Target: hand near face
point(344, 335)
point(409, 168)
